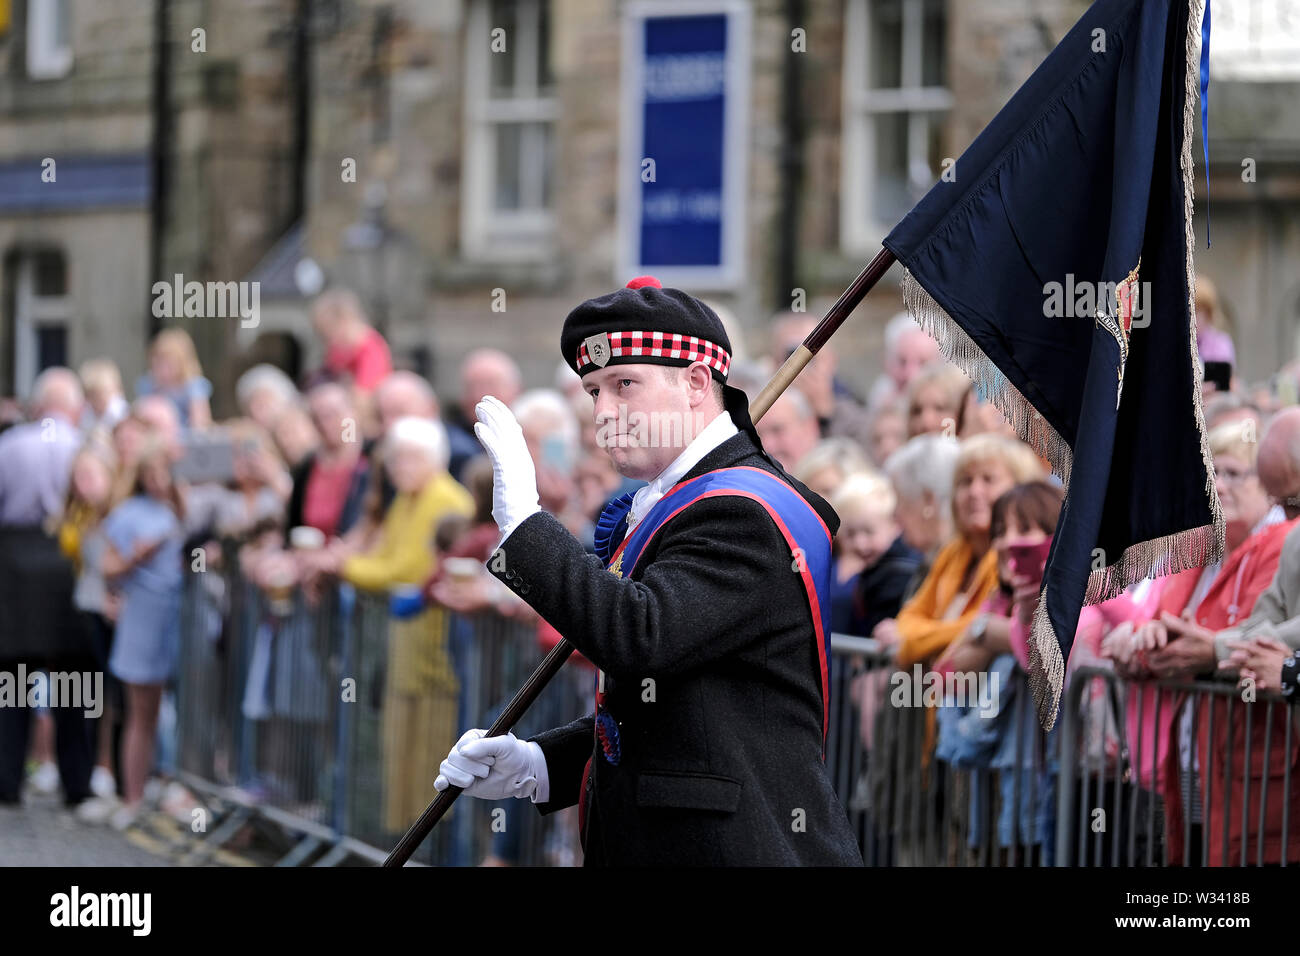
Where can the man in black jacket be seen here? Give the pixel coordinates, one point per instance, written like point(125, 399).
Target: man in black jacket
point(705, 613)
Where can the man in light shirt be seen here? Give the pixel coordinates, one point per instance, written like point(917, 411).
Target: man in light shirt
point(38, 624)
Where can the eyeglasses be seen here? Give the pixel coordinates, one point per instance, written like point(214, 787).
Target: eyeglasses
point(1233, 476)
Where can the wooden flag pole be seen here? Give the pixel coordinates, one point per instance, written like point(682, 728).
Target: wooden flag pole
point(551, 664)
point(827, 327)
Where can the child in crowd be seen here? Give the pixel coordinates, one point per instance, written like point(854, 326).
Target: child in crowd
point(106, 403)
point(143, 555)
point(81, 538)
point(870, 570)
point(174, 372)
point(872, 564)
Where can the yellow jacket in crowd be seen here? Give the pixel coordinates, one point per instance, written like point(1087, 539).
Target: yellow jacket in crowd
point(404, 554)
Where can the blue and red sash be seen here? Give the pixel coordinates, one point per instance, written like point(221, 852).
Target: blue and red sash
point(805, 534)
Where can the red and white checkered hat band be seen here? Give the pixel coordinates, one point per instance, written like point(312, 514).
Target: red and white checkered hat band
point(661, 345)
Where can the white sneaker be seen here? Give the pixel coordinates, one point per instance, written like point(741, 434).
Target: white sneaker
point(175, 792)
point(45, 778)
point(153, 789)
point(177, 802)
point(102, 783)
point(124, 816)
point(97, 810)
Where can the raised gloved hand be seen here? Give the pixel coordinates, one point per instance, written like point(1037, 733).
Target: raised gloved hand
point(493, 768)
point(514, 479)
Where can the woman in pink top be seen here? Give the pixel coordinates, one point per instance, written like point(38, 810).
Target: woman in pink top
point(1146, 722)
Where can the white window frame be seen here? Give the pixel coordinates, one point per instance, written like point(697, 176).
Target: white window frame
point(1254, 42)
point(32, 312)
point(486, 233)
point(731, 272)
point(861, 230)
point(47, 59)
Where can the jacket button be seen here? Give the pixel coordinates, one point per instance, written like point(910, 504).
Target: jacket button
point(588, 783)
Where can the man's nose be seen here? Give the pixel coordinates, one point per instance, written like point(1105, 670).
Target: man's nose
point(606, 407)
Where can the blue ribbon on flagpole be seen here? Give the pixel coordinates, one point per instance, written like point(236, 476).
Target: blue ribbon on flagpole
point(1205, 111)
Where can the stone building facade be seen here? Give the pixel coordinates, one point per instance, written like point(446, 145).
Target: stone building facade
point(799, 249)
point(471, 195)
point(148, 172)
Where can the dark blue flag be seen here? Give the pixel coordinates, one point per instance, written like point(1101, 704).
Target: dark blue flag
point(1053, 263)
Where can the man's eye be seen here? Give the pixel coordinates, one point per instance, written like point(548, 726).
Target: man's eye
point(625, 381)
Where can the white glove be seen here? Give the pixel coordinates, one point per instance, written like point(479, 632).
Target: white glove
point(493, 768)
point(514, 479)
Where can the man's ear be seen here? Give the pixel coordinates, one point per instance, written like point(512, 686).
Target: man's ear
point(700, 380)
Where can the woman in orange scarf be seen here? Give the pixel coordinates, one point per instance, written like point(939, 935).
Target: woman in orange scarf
point(964, 574)
point(965, 570)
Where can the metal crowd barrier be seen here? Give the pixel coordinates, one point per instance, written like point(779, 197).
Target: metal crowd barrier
point(1202, 776)
point(910, 807)
point(1098, 791)
point(325, 723)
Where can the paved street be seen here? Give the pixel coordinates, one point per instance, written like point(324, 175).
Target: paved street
point(43, 833)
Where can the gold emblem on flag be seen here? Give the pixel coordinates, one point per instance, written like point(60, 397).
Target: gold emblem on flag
point(616, 568)
point(1120, 324)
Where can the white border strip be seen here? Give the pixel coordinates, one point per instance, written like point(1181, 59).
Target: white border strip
point(735, 145)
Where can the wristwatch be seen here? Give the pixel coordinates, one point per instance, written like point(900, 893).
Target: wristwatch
point(979, 629)
point(1289, 669)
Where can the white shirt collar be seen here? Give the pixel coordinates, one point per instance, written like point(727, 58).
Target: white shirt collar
point(710, 437)
point(1274, 515)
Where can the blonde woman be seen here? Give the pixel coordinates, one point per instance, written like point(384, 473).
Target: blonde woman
point(965, 571)
point(934, 400)
point(174, 373)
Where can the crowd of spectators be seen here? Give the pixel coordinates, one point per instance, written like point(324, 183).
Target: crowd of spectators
point(361, 474)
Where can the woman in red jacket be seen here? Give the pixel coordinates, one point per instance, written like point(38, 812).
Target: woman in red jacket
point(1255, 531)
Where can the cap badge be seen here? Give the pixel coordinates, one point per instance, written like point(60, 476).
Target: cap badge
point(598, 348)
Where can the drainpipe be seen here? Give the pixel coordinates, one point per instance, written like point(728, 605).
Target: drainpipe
point(159, 155)
point(785, 274)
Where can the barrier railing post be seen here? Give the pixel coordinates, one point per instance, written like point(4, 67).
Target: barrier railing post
point(906, 805)
point(1068, 768)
